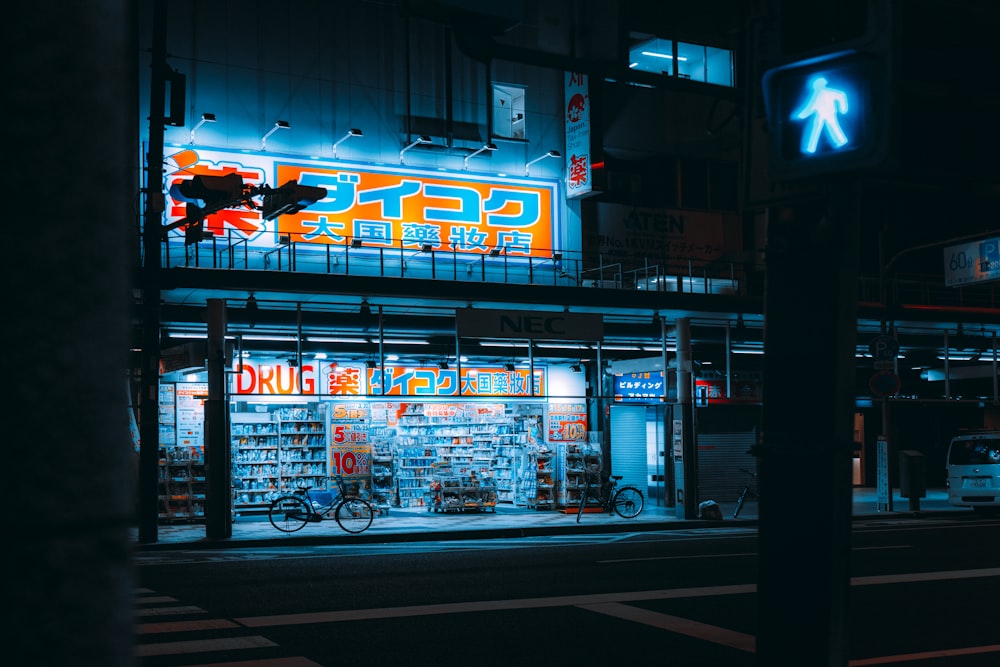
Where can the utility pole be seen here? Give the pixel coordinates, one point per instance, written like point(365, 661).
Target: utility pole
point(149, 422)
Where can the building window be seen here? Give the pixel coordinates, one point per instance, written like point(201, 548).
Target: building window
point(696, 62)
point(508, 111)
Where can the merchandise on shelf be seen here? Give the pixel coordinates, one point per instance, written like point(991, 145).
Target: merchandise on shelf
point(461, 493)
point(276, 451)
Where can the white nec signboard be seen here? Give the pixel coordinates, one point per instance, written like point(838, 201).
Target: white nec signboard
point(974, 262)
point(529, 324)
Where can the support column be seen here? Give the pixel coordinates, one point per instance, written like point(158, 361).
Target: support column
point(218, 456)
point(686, 464)
point(807, 442)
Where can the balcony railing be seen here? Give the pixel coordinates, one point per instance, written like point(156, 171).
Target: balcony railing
point(494, 265)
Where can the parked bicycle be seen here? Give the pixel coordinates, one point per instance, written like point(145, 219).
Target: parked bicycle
point(749, 491)
point(292, 511)
point(626, 502)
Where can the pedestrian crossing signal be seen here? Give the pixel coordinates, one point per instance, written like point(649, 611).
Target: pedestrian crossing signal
point(827, 114)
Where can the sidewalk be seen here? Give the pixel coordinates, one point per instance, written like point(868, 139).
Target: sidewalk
point(416, 524)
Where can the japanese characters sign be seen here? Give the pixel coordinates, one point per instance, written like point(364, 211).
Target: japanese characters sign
point(577, 123)
point(648, 387)
point(567, 422)
point(383, 207)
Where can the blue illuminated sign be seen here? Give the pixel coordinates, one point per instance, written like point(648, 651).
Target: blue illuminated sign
point(827, 114)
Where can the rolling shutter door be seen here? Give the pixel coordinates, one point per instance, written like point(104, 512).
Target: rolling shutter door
point(720, 457)
point(628, 445)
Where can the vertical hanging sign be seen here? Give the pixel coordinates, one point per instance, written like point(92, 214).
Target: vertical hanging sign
point(578, 167)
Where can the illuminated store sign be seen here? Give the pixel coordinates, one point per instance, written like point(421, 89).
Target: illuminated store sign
point(382, 207)
point(278, 378)
point(640, 387)
point(577, 122)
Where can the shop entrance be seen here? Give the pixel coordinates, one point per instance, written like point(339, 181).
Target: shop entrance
point(639, 449)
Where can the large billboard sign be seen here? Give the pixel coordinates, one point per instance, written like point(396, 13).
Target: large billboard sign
point(379, 206)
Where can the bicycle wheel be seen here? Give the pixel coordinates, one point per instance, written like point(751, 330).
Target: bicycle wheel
point(289, 513)
point(354, 515)
point(628, 502)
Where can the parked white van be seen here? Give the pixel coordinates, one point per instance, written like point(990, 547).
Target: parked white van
point(974, 470)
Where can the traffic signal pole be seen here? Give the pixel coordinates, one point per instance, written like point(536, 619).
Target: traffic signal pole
point(806, 442)
point(149, 418)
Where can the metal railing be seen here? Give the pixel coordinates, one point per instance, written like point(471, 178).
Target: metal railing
point(490, 264)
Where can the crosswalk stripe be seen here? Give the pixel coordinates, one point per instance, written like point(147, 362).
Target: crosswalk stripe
point(202, 646)
point(170, 611)
point(184, 626)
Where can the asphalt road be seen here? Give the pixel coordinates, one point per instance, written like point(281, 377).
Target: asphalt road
point(923, 593)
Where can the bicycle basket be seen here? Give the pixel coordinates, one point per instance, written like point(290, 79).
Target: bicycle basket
point(321, 498)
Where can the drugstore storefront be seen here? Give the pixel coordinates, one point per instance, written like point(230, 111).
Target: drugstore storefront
point(518, 434)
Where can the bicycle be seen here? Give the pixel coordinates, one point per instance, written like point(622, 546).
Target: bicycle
point(292, 511)
point(748, 491)
point(627, 501)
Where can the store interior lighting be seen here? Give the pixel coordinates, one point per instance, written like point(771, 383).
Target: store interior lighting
point(205, 118)
point(353, 132)
point(278, 125)
point(422, 139)
point(527, 167)
point(485, 147)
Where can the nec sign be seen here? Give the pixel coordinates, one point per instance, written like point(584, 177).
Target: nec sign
point(475, 323)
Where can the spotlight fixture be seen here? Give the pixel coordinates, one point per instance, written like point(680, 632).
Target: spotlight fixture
point(508, 366)
point(357, 243)
point(485, 147)
point(422, 139)
point(575, 368)
point(369, 364)
point(527, 167)
point(205, 118)
point(353, 132)
point(496, 252)
point(557, 257)
point(365, 310)
point(278, 125)
point(443, 365)
point(427, 247)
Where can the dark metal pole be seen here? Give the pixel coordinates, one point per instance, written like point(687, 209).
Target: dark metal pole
point(218, 457)
point(149, 422)
point(807, 437)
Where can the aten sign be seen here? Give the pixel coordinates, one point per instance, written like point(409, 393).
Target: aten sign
point(474, 323)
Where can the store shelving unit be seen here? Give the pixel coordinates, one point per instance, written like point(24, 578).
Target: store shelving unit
point(182, 484)
point(463, 438)
point(545, 488)
point(579, 460)
point(276, 451)
point(383, 489)
point(461, 493)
